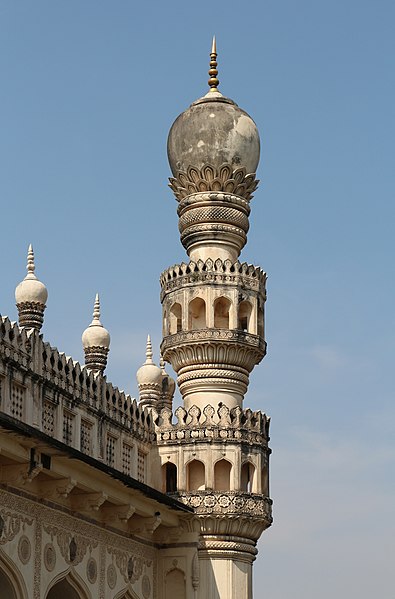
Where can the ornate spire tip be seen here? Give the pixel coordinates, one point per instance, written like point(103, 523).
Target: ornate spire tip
point(96, 308)
point(213, 72)
point(30, 260)
point(148, 351)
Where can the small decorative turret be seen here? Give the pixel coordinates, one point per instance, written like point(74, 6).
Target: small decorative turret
point(168, 387)
point(96, 342)
point(31, 296)
point(149, 379)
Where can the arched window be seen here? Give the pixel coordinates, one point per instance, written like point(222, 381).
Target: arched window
point(169, 477)
point(247, 477)
point(175, 319)
point(222, 471)
point(261, 317)
point(12, 585)
point(244, 316)
point(196, 476)
point(221, 313)
point(197, 314)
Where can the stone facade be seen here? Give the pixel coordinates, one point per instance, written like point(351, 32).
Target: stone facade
point(105, 496)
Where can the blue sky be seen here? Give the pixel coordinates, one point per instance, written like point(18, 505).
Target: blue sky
point(88, 92)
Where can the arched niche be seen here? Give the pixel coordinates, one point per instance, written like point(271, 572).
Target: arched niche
point(261, 317)
point(247, 477)
point(68, 585)
point(175, 584)
point(244, 316)
point(197, 314)
point(196, 476)
point(222, 471)
point(12, 585)
point(169, 477)
point(221, 312)
point(128, 594)
point(175, 319)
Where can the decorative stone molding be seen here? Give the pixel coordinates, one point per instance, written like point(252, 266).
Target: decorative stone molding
point(10, 525)
point(209, 272)
point(234, 425)
point(210, 178)
point(231, 503)
point(96, 358)
point(130, 566)
point(73, 546)
point(31, 315)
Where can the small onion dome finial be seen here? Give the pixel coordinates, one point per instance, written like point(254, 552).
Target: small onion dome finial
point(213, 71)
point(168, 387)
point(96, 341)
point(31, 296)
point(149, 379)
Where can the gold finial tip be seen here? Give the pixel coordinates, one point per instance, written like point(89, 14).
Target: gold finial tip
point(213, 72)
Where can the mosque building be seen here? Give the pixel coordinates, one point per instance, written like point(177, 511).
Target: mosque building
point(106, 497)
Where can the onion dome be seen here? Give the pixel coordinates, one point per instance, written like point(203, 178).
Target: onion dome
point(31, 296)
point(149, 379)
point(96, 341)
point(213, 131)
point(213, 147)
point(168, 387)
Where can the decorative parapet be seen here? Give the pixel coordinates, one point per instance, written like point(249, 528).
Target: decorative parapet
point(194, 425)
point(63, 388)
point(231, 503)
point(224, 272)
point(210, 335)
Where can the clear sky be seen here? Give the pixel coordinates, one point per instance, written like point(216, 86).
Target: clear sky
point(89, 90)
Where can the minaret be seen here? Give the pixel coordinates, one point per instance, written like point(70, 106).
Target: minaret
point(149, 380)
point(96, 341)
point(31, 296)
point(213, 336)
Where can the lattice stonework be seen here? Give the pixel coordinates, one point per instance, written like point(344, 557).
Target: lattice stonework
point(68, 425)
point(49, 418)
point(85, 437)
point(17, 397)
point(141, 466)
point(110, 451)
point(127, 459)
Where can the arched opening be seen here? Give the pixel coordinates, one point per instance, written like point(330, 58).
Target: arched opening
point(265, 481)
point(6, 587)
point(169, 478)
point(197, 314)
point(12, 585)
point(221, 313)
point(175, 584)
point(222, 470)
point(175, 319)
point(247, 477)
point(244, 316)
point(196, 476)
point(261, 319)
point(70, 586)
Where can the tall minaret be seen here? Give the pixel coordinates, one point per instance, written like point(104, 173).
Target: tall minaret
point(213, 336)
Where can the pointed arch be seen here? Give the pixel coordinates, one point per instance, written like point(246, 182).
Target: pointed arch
point(222, 470)
point(68, 585)
point(196, 476)
point(222, 307)
point(197, 314)
point(247, 477)
point(175, 319)
point(126, 594)
point(244, 316)
point(169, 477)
point(11, 578)
point(175, 584)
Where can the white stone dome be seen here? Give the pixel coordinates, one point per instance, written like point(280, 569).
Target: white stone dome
point(96, 335)
point(149, 373)
point(31, 289)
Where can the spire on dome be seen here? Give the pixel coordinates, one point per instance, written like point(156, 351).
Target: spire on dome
point(213, 72)
point(96, 341)
point(31, 296)
point(149, 379)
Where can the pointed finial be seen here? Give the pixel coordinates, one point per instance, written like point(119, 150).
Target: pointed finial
point(148, 351)
point(213, 72)
point(96, 308)
point(30, 261)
